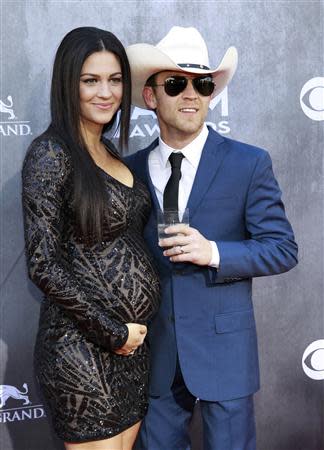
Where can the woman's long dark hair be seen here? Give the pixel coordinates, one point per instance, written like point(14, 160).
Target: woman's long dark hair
point(88, 187)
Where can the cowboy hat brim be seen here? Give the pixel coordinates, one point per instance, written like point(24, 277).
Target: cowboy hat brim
point(146, 60)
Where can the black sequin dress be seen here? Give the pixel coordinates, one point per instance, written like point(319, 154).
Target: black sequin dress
point(91, 292)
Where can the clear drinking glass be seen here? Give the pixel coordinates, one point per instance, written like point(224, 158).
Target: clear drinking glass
point(171, 217)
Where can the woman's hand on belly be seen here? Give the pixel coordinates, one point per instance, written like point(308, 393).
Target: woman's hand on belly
point(136, 336)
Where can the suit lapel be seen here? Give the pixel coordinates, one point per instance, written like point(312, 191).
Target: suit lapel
point(148, 177)
point(210, 161)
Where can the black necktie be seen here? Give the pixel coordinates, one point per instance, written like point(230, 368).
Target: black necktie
point(170, 195)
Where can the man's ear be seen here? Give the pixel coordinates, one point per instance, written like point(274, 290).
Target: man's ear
point(149, 97)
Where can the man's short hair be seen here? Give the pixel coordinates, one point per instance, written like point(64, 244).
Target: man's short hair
point(151, 80)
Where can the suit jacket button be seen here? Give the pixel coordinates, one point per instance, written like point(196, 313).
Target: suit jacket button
point(178, 272)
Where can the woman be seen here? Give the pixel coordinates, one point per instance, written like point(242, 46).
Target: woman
point(84, 214)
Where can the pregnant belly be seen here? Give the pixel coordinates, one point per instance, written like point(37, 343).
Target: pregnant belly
point(123, 280)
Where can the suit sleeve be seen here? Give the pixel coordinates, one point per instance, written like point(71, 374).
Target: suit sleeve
point(45, 175)
point(270, 247)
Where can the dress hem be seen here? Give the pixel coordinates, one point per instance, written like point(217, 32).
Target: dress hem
point(96, 437)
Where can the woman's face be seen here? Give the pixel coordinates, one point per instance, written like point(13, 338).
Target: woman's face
point(101, 89)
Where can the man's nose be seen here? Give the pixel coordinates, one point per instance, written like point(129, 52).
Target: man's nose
point(190, 91)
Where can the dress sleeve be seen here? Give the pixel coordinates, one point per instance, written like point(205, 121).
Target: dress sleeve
point(45, 175)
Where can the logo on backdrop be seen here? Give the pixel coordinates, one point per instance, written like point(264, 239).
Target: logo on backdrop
point(23, 408)
point(9, 125)
point(7, 108)
point(312, 98)
point(146, 123)
point(313, 360)
point(7, 391)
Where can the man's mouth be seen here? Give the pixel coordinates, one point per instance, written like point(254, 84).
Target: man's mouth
point(188, 110)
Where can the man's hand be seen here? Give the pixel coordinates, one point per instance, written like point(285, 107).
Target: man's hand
point(187, 246)
point(136, 335)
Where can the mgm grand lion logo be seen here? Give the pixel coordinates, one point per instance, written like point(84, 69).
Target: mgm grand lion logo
point(9, 126)
point(7, 107)
point(7, 391)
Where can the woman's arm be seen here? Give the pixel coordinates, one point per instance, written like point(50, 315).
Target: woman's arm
point(46, 172)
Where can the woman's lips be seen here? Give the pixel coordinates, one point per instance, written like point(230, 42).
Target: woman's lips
point(103, 106)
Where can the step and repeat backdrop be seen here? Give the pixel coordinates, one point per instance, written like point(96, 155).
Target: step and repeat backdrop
point(275, 101)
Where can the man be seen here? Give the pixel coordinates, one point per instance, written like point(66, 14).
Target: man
point(203, 340)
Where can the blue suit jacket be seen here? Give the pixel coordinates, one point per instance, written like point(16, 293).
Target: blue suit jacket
point(206, 315)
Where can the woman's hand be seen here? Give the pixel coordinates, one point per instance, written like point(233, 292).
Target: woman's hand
point(136, 336)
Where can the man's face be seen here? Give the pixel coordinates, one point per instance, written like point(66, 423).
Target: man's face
point(181, 117)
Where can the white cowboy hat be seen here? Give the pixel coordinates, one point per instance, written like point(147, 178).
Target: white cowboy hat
point(182, 49)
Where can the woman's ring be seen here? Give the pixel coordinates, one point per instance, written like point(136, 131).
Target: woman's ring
point(181, 249)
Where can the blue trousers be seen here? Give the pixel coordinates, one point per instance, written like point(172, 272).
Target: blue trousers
point(227, 425)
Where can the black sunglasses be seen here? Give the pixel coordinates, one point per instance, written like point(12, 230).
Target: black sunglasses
point(176, 84)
